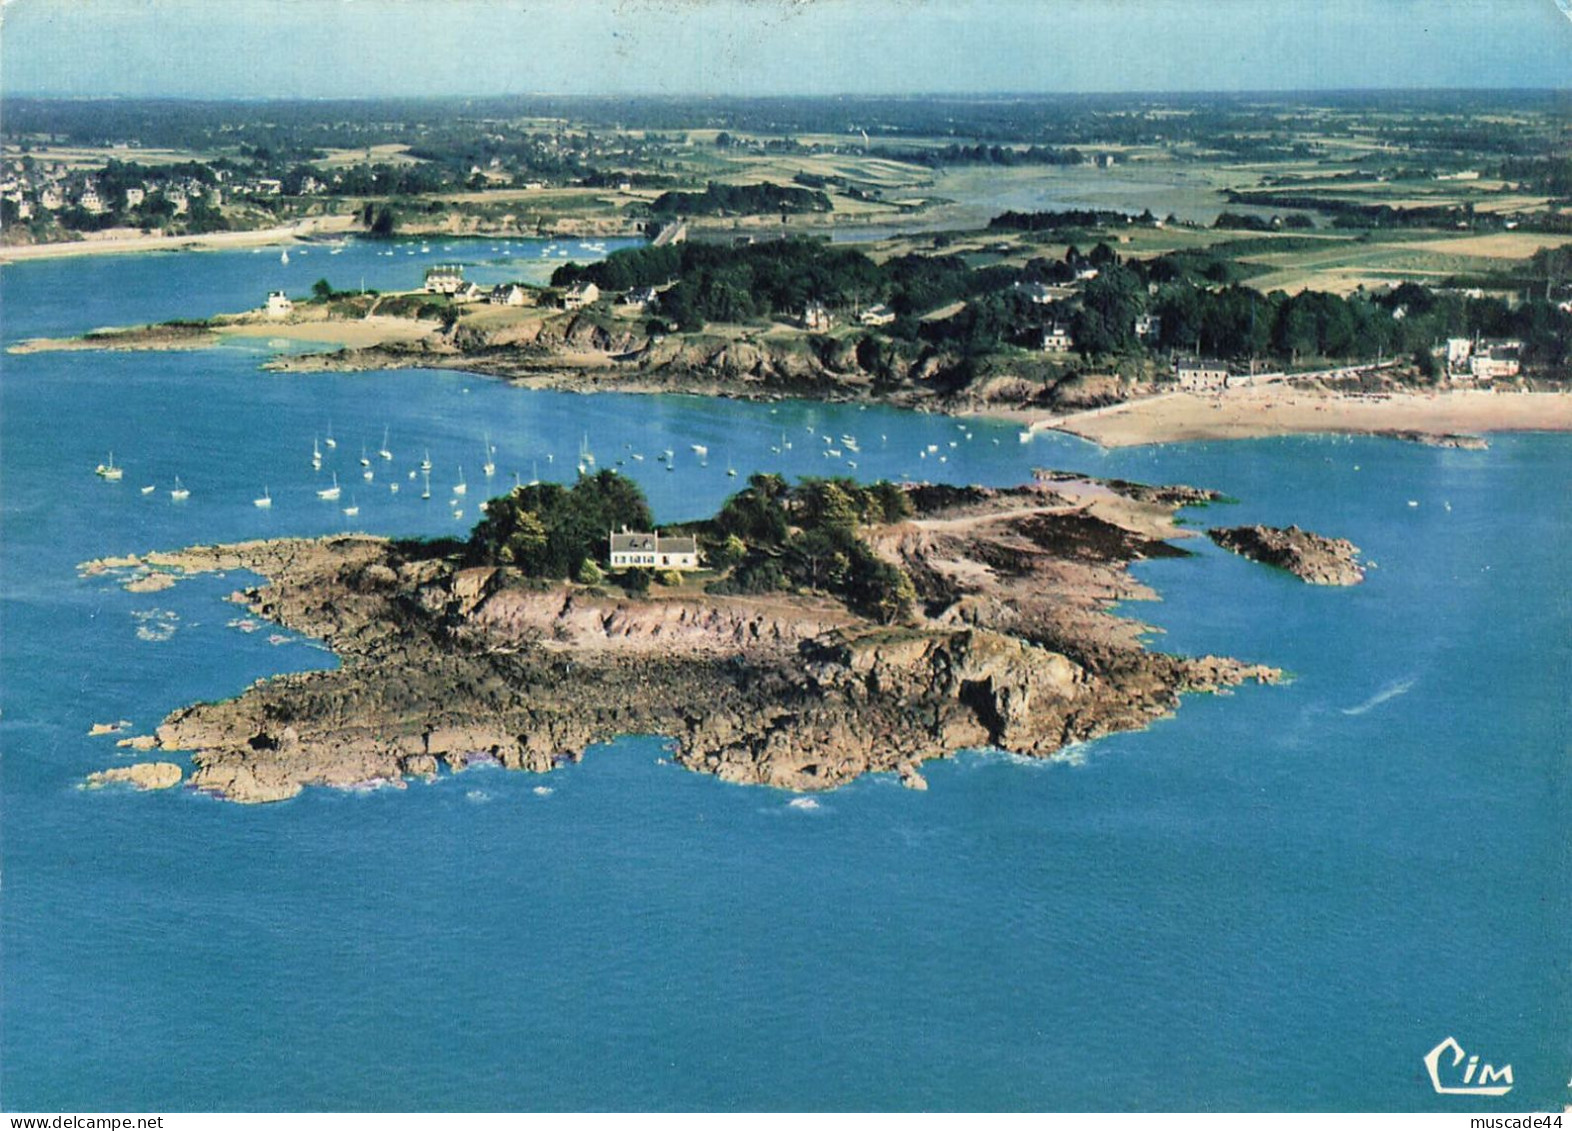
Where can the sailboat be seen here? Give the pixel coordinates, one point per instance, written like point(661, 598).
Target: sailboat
point(490, 466)
point(426, 494)
point(316, 455)
point(328, 439)
point(179, 493)
point(283, 257)
point(383, 450)
point(330, 492)
point(109, 471)
point(425, 464)
point(534, 473)
point(365, 461)
point(149, 489)
point(367, 475)
point(353, 509)
point(265, 501)
point(460, 487)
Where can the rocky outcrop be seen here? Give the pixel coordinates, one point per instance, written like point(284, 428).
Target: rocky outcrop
point(1310, 557)
point(143, 775)
point(1462, 440)
point(444, 666)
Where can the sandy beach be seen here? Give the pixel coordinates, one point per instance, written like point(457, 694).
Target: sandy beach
point(1274, 410)
point(114, 242)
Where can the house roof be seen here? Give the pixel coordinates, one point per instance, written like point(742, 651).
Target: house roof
point(636, 542)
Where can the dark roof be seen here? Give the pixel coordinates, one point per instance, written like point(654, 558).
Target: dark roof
point(637, 542)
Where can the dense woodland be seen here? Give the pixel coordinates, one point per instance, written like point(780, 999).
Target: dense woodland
point(1199, 296)
point(770, 537)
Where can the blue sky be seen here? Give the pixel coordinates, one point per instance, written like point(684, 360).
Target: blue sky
point(367, 48)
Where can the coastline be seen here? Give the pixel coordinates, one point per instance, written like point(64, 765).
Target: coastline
point(444, 666)
point(1453, 416)
point(209, 241)
point(1251, 414)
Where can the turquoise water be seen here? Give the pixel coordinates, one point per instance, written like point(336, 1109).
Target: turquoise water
point(1279, 898)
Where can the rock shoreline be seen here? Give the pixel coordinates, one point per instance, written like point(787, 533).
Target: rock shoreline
point(1013, 648)
point(1309, 557)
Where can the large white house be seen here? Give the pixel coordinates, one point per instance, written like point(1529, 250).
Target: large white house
point(580, 295)
point(278, 305)
point(1199, 374)
point(637, 550)
point(444, 279)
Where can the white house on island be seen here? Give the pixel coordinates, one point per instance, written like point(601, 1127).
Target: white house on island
point(278, 305)
point(637, 550)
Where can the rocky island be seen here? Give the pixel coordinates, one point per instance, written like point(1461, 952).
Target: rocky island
point(849, 630)
point(1309, 557)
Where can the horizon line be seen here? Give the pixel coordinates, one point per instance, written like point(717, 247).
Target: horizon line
point(735, 97)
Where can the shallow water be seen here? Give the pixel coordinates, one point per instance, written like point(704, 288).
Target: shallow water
point(1279, 898)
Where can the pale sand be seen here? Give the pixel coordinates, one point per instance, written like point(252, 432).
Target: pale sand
point(359, 333)
point(96, 244)
point(1251, 413)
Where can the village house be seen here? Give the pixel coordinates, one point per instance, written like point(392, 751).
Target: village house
point(580, 295)
point(1039, 294)
point(1201, 374)
point(1497, 358)
point(469, 292)
point(1057, 339)
point(269, 186)
point(444, 279)
point(278, 305)
point(135, 196)
point(879, 315)
point(641, 297)
point(1084, 273)
point(508, 294)
point(51, 199)
point(1458, 351)
point(636, 550)
point(1148, 326)
point(90, 201)
point(815, 318)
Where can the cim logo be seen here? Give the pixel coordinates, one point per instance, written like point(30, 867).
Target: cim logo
point(1476, 1080)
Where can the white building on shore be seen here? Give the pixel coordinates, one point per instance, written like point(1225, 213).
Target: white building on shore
point(638, 550)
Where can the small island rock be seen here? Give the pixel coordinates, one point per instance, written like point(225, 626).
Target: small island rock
point(1309, 557)
point(143, 775)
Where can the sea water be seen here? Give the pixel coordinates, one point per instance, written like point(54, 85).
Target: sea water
point(1278, 898)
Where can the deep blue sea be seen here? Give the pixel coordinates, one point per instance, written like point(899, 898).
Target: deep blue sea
point(1281, 898)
